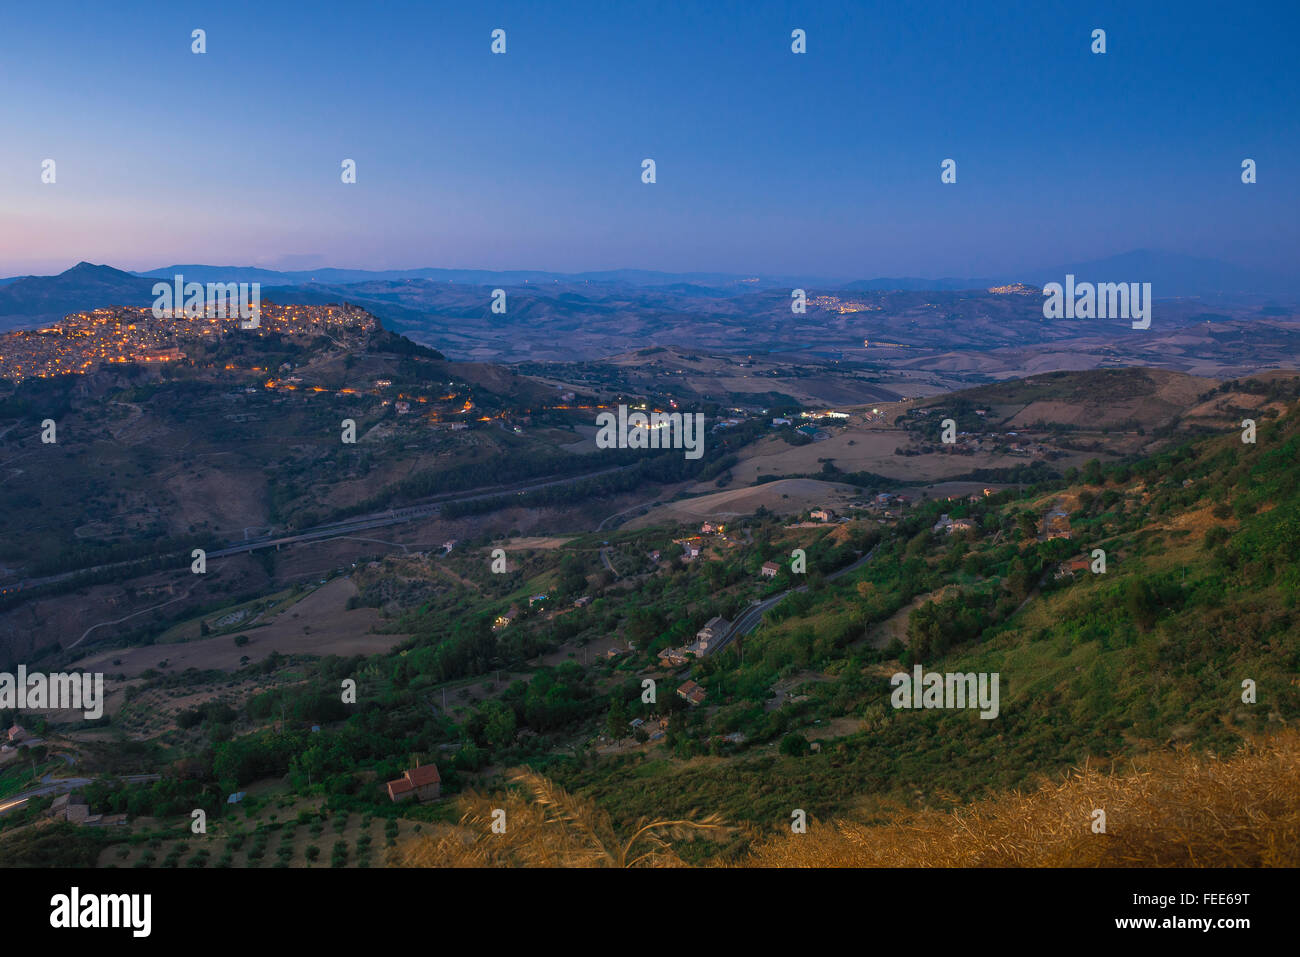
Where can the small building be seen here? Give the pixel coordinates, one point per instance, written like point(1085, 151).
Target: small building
point(236, 797)
point(714, 628)
point(1056, 524)
point(823, 514)
point(692, 693)
point(1072, 567)
point(69, 807)
point(106, 820)
point(504, 620)
point(769, 569)
point(691, 549)
point(421, 783)
point(536, 600)
point(672, 657)
point(582, 602)
point(16, 734)
point(780, 422)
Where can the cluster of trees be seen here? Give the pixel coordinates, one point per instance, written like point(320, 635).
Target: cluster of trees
point(937, 626)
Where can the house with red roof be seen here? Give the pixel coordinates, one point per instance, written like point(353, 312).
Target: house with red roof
point(421, 783)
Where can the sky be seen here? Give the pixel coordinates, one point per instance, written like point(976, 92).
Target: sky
point(767, 162)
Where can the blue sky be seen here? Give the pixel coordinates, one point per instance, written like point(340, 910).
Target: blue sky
point(825, 163)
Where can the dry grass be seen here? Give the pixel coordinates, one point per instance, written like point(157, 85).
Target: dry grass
point(545, 826)
point(1169, 810)
point(1177, 810)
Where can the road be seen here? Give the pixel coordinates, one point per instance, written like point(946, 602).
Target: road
point(604, 558)
point(125, 617)
point(751, 616)
point(396, 516)
point(51, 785)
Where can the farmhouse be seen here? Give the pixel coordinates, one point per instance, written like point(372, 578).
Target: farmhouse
point(770, 569)
point(948, 524)
point(692, 693)
point(421, 783)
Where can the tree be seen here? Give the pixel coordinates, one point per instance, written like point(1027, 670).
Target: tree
point(616, 721)
point(1141, 602)
point(500, 727)
point(794, 745)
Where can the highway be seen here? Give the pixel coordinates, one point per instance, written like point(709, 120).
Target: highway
point(346, 527)
point(397, 516)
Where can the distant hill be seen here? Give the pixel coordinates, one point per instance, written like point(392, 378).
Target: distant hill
point(479, 277)
point(957, 325)
point(37, 300)
point(1171, 274)
point(1092, 398)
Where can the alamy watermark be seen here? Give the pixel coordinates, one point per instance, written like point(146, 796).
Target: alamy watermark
point(1105, 300)
point(53, 692)
point(656, 430)
point(933, 689)
point(219, 300)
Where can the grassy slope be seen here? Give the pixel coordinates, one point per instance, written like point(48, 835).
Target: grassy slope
point(1152, 654)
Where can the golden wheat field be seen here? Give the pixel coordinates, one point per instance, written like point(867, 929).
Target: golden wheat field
point(1177, 809)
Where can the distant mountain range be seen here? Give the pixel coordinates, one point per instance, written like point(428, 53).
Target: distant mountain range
point(34, 300)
